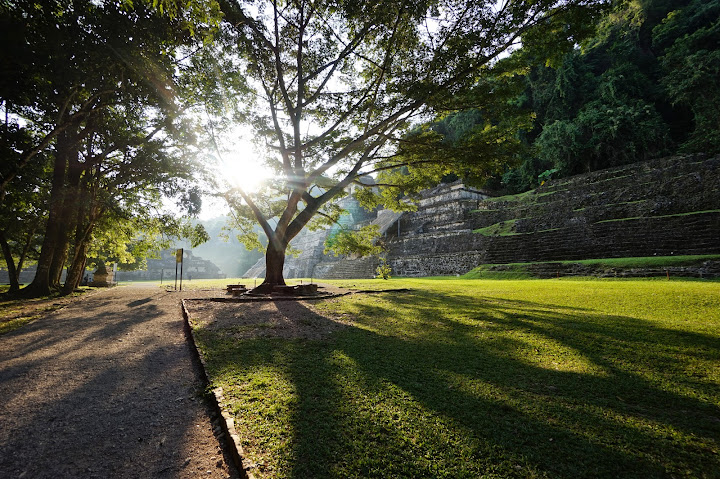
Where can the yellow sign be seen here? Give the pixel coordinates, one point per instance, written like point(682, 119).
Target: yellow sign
point(179, 255)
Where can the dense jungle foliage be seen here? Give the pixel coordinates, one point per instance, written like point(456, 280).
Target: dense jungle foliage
point(645, 85)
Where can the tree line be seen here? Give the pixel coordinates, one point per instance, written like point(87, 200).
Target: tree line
point(96, 131)
point(111, 107)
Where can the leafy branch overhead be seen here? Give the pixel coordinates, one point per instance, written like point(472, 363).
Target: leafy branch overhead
point(362, 242)
point(339, 85)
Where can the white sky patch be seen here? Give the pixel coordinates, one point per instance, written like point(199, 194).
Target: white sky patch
point(238, 164)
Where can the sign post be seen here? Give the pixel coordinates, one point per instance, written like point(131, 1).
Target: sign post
point(181, 267)
point(178, 259)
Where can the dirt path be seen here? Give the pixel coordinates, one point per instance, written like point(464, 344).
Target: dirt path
point(106, 387)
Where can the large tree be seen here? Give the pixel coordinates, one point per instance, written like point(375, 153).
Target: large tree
point(94, 90)
point(339, 82)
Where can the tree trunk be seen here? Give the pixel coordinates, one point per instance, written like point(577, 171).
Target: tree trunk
point(55, 243)
point(69, 217)
point(274, 263)
point(82, 244)
point(12, 272)
point(76, 269)
point(26, 249)
point(40, 285)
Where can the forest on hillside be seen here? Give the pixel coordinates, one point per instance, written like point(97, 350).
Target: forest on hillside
point(645, 84)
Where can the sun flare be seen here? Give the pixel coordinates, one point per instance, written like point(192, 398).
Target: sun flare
point(240, 165)
point(243, 171)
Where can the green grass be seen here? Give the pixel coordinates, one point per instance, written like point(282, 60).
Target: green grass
point(469, 378)
point(12, 324)
point(522, 270)
point(510, 271)
point(188, 284)
point(520, 197)
point(504, 228)
point(648, 261)
point(222, 283)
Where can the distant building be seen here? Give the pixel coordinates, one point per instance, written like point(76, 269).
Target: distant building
point(194, 267)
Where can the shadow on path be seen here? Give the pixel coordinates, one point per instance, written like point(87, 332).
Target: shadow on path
point(105, 388)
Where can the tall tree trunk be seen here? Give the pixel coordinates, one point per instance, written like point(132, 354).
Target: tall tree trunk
point(69, 218)
point(83, 234)
point(12, 271)
point(274, 263)
point(40, 285)
point(62, 206)
point(76, 269)
point(25, 250)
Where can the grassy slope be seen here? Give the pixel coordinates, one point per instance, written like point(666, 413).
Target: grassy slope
point(462, 378)
point(520, 270)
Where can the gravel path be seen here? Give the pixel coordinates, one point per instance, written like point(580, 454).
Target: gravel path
point(106, 387)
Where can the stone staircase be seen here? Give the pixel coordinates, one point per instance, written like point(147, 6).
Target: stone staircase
point(348, 268)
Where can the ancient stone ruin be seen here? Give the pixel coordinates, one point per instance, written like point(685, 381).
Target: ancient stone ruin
point(194, 267)
point(663, 207)
point(103, 277)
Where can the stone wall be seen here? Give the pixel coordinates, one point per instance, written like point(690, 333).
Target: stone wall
point(663, 207)
point(194, 267)
point(347, 268)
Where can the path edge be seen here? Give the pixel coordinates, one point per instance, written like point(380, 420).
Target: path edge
point(217, 400)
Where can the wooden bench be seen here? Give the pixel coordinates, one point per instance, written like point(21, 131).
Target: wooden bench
point(288, 290)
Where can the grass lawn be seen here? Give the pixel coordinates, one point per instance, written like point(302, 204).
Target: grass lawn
point(473, 378)
point(522, 270)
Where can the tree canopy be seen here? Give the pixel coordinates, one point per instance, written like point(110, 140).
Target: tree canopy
point(643, 85)
point(337, 85)
point(95, 104)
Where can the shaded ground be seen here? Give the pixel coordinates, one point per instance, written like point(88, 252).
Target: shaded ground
point(277, 319)
point(106, 387)
point(15, 312)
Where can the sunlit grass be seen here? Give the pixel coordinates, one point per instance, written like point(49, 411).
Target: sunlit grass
point(470, 378)
point(221, 283)
point(12, 324)
point(521, 270)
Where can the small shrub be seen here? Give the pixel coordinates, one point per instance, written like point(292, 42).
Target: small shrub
point(383, 270)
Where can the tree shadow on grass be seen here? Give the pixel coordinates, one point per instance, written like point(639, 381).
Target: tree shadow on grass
point(511, 388)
